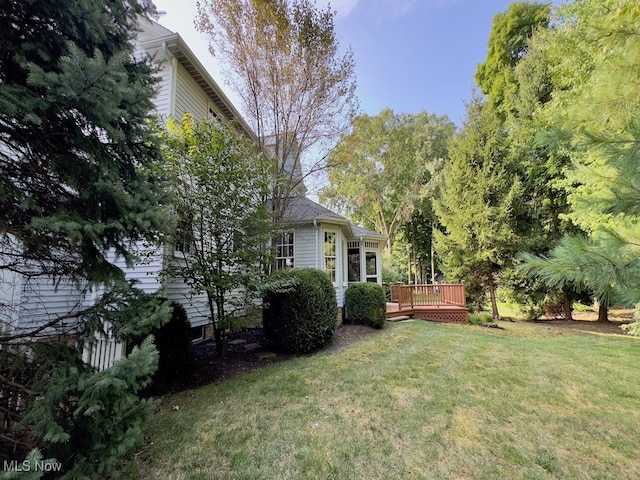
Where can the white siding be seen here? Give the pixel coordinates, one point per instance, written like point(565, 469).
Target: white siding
point(340, 266)
point(196, 306)
point(305, 246)
point(190, 98)
point(10, 299)
point(162, 99)
point(147, 271)
point(43, 300)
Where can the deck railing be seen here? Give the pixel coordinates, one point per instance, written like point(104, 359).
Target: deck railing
point(438, 294)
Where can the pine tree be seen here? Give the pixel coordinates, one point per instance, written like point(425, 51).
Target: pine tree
point(596, 117)
point(78, 185)
point(478, 203)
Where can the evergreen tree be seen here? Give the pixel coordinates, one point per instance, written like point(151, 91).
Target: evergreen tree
point(596, 122)
point(78, 188)
point(478, 203)
point(518, 81)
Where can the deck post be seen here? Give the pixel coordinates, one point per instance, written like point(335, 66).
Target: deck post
point(400, 295)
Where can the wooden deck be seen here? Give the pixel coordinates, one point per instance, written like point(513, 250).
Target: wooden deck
point(434, 313)
point(436, 303)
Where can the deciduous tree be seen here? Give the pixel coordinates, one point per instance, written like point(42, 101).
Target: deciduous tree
point(297, 87)
point(380, 170)
point(508, 43)
point(220, 181)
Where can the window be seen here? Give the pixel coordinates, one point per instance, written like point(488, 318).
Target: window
point(238, 241)
point(354, 264)
point(197, 333)
point(330, 254)
point(284, 251)
point(372, 266)
point(184, 233)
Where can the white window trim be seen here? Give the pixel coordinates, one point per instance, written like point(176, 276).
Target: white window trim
point(367, 276)
point(292, 244)
point(334, 256)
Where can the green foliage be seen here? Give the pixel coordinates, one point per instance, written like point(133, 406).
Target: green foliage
point(595, 117)
point(91, 420)
point(480, 202)
point(366, 303)
point(79, 188)
point(300, 310)
point(480, 318)
point(392, 274)
point(379, 173)
point(76, 154)
point(507, 45)
point(173, 342)
point(220, 183)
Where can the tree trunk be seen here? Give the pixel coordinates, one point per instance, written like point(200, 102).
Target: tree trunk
point(603, 313)
point(433, 262)
point(566, 304)
point(492, 293)
point(221, 345)
point(218, 327)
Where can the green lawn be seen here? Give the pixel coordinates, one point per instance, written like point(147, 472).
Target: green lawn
point(419, 400)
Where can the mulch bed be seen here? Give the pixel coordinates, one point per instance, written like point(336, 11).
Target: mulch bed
point(206, 367)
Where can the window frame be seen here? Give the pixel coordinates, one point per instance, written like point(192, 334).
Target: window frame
point(327, 259)
point(372, 278)
point(285, 261)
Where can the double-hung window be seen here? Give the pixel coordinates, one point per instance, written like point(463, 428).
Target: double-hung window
point(284, 250)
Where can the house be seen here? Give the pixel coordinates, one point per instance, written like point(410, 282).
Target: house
point(314, 237)
point(318, 238)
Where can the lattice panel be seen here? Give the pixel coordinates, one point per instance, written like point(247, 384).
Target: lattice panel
point(443, 316)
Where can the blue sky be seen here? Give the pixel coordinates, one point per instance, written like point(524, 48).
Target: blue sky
point(410, 55)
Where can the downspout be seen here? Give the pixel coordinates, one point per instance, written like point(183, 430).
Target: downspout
point(363, 261)
point(315, 224)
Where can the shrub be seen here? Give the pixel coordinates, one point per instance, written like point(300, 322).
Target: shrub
point(300, 310)
point(173, 341)
point(480, 318)
point(366, 304)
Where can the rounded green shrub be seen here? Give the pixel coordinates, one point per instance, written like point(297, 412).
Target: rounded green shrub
point(300, 310)
point(366, 304)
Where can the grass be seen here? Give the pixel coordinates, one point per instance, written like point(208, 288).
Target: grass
point(417, 401)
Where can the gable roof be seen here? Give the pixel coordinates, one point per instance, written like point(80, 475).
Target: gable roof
point(365, 232)
point(304, 210)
